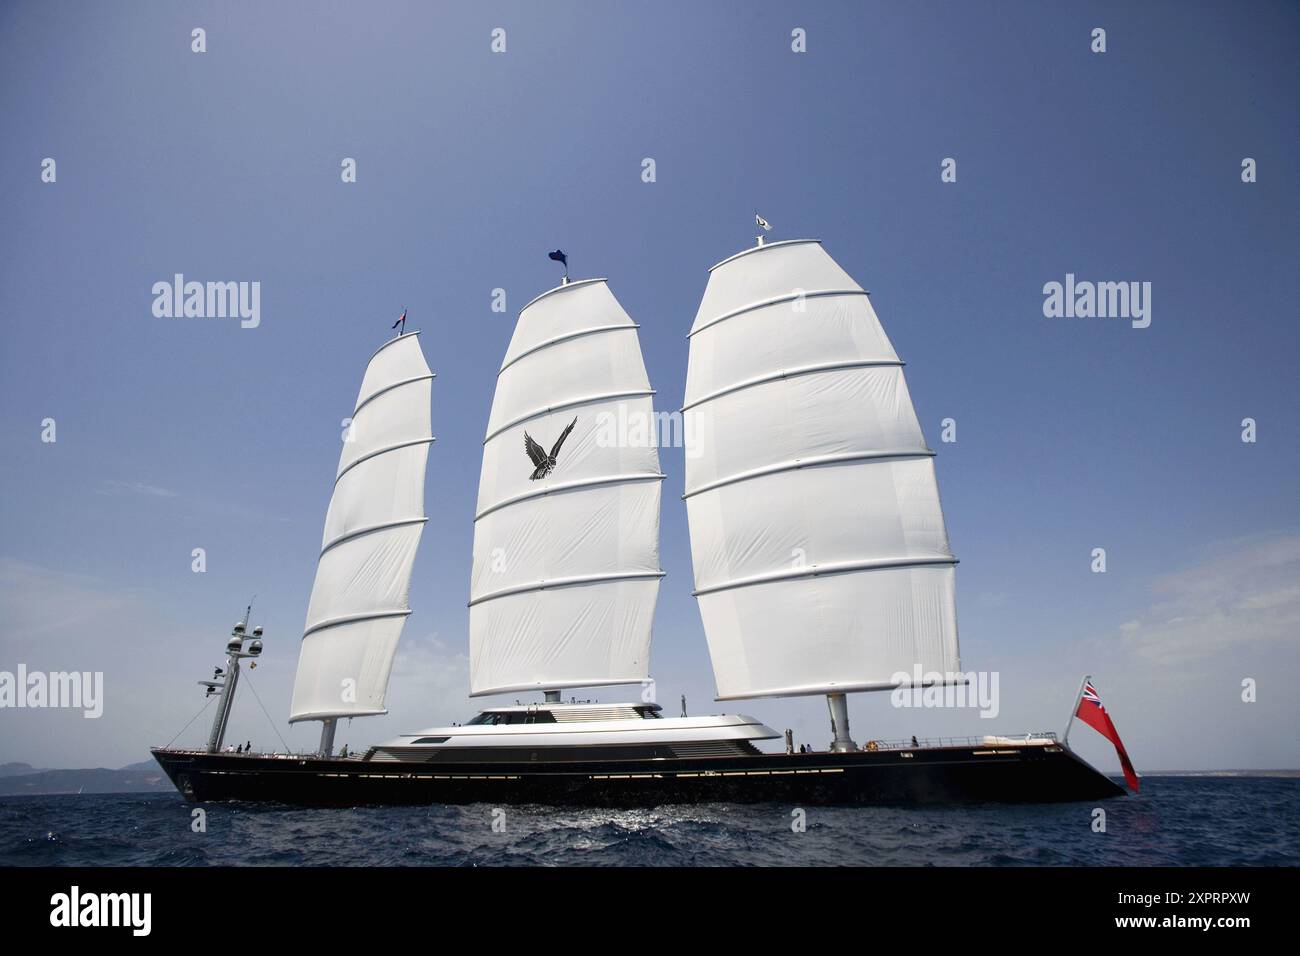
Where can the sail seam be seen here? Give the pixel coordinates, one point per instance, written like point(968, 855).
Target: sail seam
point(322, 714)
point(354, 618)
point(570, 486)
point(559, 288)
point(388, 388)
point(569, 336)
point(404, 335)
point(370, 529)
point(774, 300)
point(545, 584)
point(812, 571)
point(765, 246)
point(635, 393)
point(571, 727)
point(798, 463)
point(829, 687)
point(382, 451)
point(791, 373)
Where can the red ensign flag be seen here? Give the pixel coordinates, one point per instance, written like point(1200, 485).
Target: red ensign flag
point(1094, 715)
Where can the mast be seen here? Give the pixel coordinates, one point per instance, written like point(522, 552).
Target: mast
point(566, 532)
point(359, 602)
point(821, 560)
point(229, 678)
point(327, 728)
point(838, 705)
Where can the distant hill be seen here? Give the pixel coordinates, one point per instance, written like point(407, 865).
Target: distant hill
point(143, 777)
point(17, 769)
point(1223, 773)
point(144, 766)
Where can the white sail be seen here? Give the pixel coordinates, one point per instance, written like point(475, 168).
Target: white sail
point(820, 554)
point(566, 563)
point(359, 601)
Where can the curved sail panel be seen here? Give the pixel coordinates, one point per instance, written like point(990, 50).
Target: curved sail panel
point(847, 412)
point(578, 530)
point(821, 560)
point(890, 507)
point(578, 636)
point(365, 575)
point(386, 422)
point(831, 634)
point(395, 362)
point(566, 535)
point(364, 651)
point(779, 270)
point(359, 602)
point(382, 489)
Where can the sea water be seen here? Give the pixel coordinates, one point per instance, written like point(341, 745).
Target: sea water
point(1180, 821)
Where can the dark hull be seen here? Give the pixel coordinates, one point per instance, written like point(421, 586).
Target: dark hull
point(1038, 774)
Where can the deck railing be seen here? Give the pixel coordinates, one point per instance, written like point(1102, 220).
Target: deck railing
point(911, 743)
point(924, 743)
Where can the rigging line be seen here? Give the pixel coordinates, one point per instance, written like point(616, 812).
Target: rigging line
point(268, 716)
point(191, 720)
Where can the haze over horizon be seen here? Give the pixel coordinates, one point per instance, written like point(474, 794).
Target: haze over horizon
point(1072, 433)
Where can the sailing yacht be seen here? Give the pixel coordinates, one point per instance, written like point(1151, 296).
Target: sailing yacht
point(821, 562)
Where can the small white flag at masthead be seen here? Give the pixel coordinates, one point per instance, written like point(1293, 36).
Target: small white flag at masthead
point(763, 223)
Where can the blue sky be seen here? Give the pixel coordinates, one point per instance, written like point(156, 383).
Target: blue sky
point(1072, 434)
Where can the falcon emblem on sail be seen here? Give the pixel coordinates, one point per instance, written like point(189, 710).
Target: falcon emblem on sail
point(543, 463)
